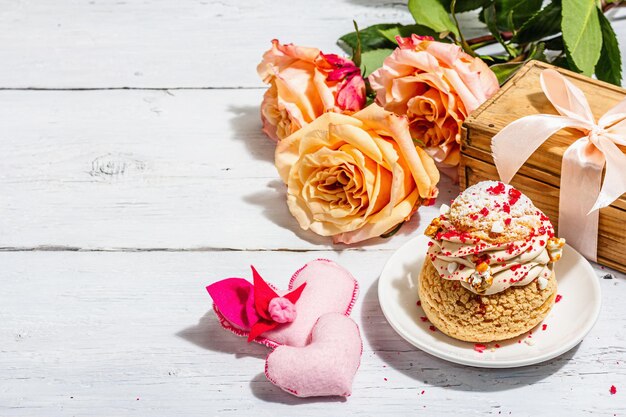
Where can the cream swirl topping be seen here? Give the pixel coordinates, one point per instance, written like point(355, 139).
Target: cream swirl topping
point(492, 238)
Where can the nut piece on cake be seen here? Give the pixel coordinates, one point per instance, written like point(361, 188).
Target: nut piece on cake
point(489, 271)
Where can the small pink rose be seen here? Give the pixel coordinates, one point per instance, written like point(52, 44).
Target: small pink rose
point(304, 84)
point(282, 310)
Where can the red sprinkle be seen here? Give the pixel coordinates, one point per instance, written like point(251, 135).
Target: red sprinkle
point(473, 216)
point(419, 302)
point(511, 247)
point(497, 345)
point(558, 298)
point(498, 189)
point(514, 195)
point(479, 347)
point(432, 329)
point(452, 234)
point(613, 390)
point(423, 392)
point(484, 211)
point(543, 327)
point(424, 319)
point(385, 379)
point(515, 267)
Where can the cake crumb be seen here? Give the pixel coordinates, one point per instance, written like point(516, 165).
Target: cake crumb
point(479, 347)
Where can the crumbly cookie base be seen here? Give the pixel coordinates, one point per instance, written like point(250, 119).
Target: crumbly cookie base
point(461, 314)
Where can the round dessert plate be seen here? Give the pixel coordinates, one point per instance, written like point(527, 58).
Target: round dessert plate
point(571, 318)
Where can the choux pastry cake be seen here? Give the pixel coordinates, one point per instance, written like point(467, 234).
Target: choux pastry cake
point(489, 270)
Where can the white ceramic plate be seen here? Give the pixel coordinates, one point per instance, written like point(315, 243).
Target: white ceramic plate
point(566, 325)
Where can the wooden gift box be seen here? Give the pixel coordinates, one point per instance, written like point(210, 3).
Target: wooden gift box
point(539, 177)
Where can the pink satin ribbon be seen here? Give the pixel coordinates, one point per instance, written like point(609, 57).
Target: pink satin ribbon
point(582, 191)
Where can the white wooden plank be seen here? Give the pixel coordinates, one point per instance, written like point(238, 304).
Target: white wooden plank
point(157, 43)
point(146, 169)
point(160, 43)
point(100, 334)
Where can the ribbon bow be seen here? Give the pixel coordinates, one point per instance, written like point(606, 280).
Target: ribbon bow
point(582, 191)
point(255, 308)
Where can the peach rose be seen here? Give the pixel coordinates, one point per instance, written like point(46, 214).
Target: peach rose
point(436, 85)
point(304, 84)
point(355, 177)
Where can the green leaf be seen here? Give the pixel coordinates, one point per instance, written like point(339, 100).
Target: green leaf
point(406, 31)
point(555, 44)
point(609, 66)
point(373, 59)
point(495, 59)
point(432, 14)
point(464, 5)
point(537, 52)
point(581, 33)
point(490, 19)
point(521, 11)
point(506, 70)
point(546, 22)
point(562, 62)
point(512, 14)
point(371, 38)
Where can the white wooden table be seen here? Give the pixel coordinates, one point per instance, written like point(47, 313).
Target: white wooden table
point(133, 172)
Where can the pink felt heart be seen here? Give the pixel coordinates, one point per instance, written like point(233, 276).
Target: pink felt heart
point(329, 289)
point(326, 366)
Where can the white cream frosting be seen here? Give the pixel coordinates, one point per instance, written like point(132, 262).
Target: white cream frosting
point(515, 263)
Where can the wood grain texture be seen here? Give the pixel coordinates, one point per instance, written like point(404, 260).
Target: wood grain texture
point(164, 43)
point(156, 171)
point(101, 334)
point(148, 170)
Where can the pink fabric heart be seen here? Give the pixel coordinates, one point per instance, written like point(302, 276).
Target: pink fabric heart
point(326, 366)
point(330, 288)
